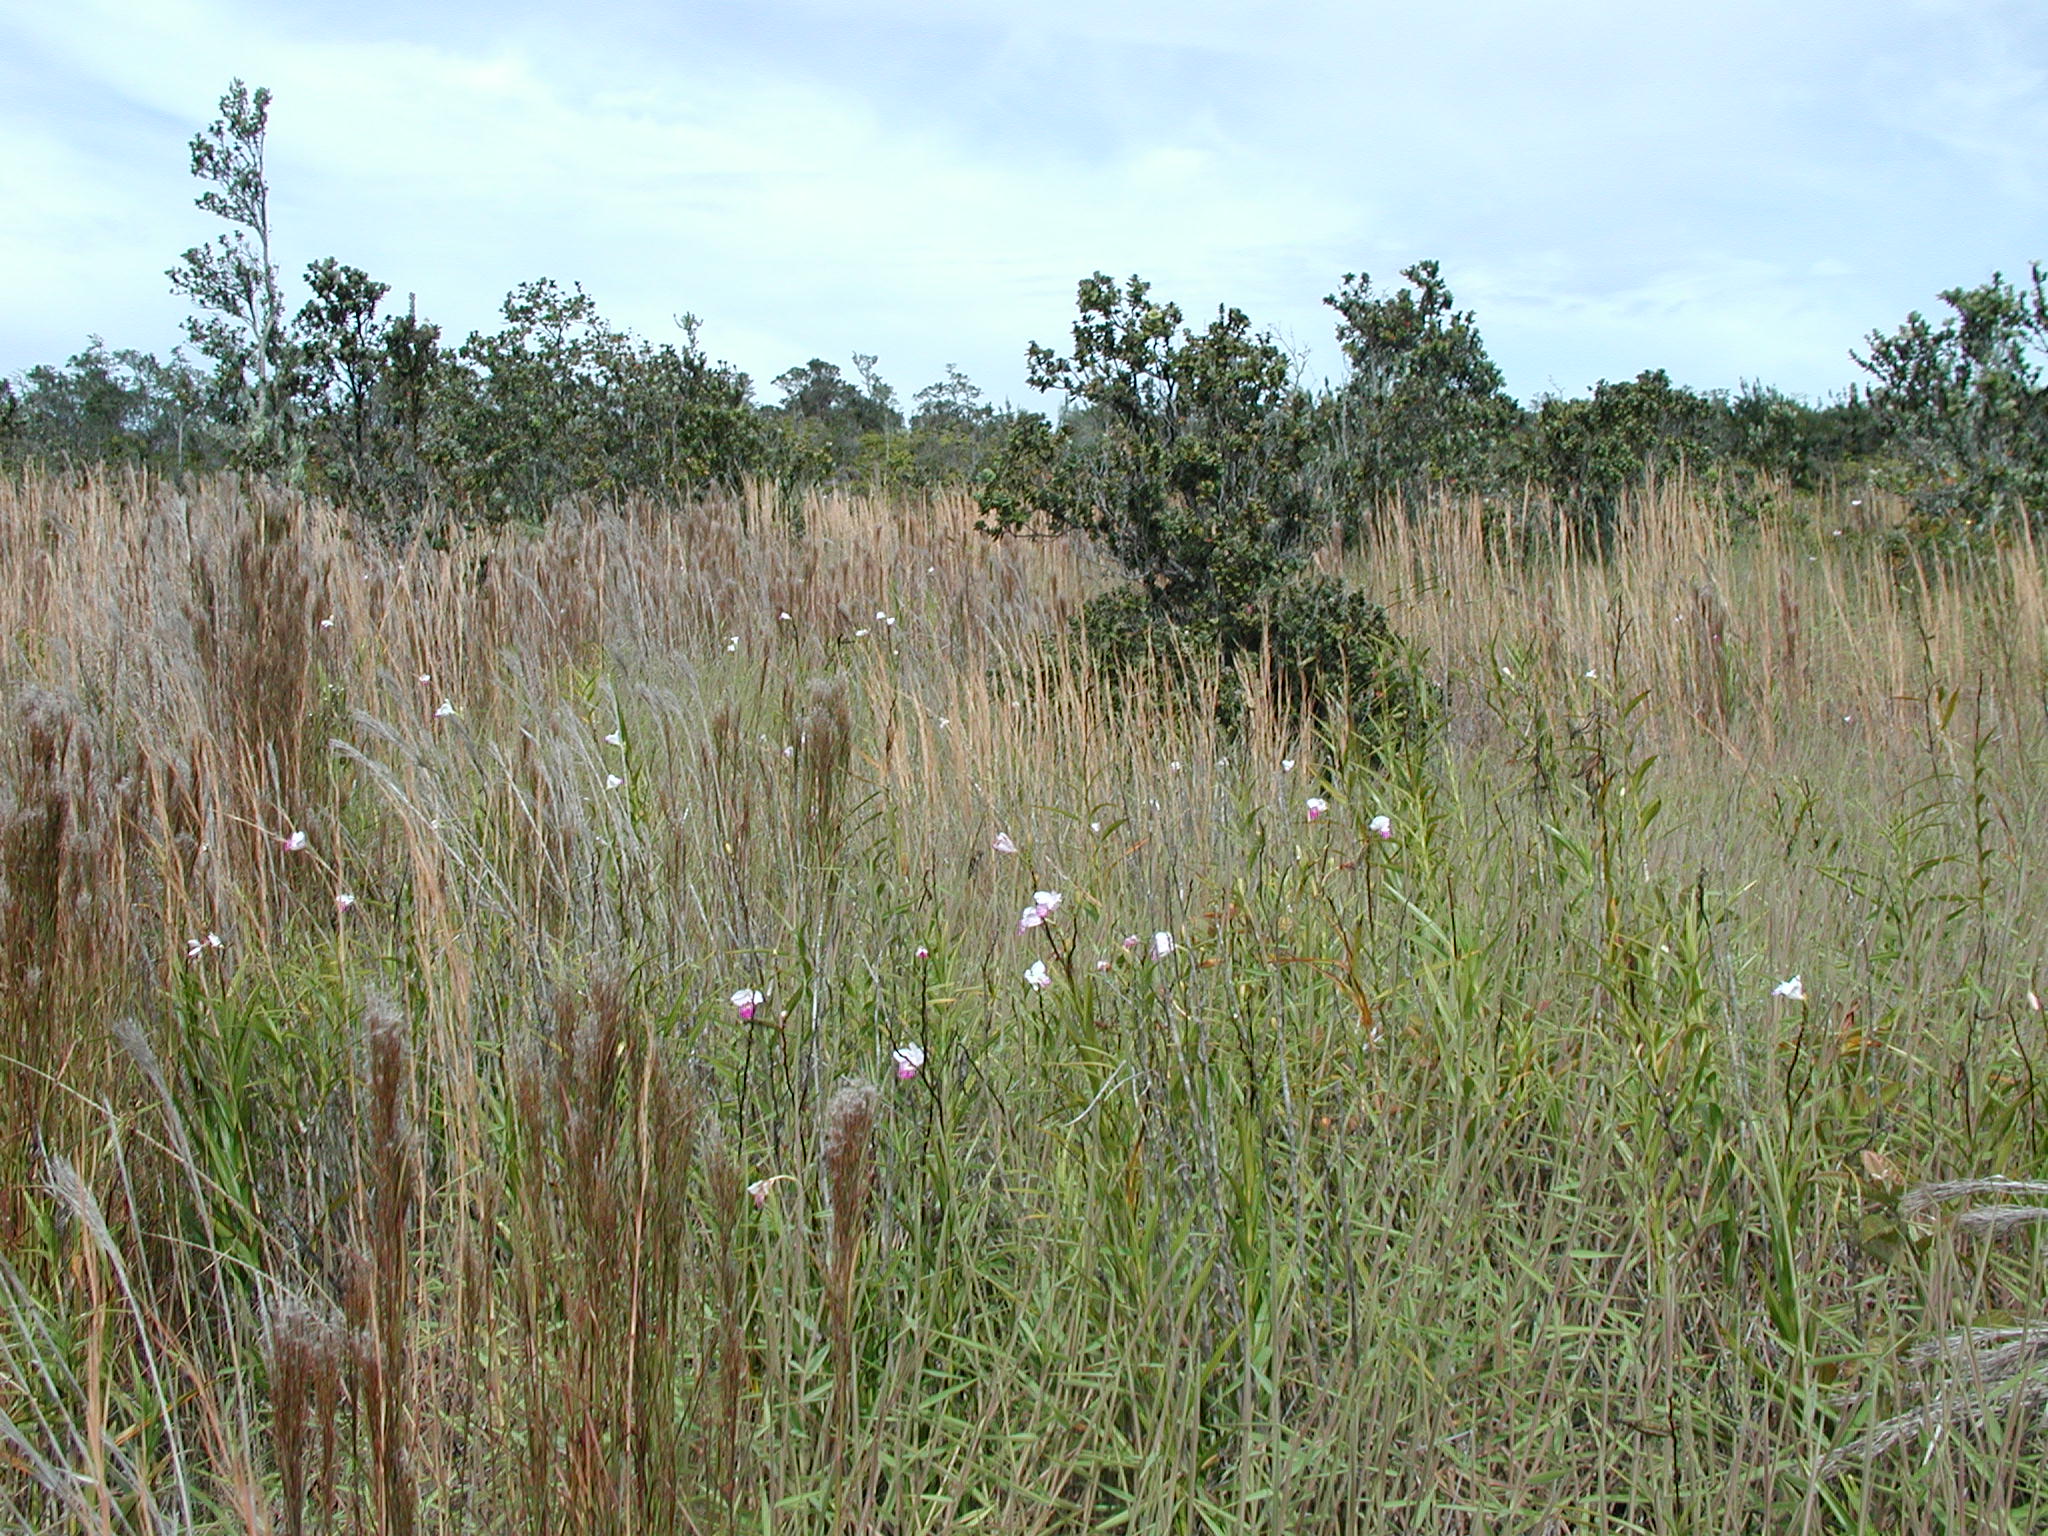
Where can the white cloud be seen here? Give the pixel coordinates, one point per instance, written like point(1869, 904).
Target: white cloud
point(1728, 192)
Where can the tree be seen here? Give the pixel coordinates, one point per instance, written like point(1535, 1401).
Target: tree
point(1966, 402)
point(1424, 407)
point(113, 407)
point(1589, 454)
point(953, 430)
point(233, 280)
point(1766, 431)
point(1189, 463)
point(559, 403)
point(954, 404)
point(342, 358)
point(412, 362)
point(833, 428)
point(1194, 478)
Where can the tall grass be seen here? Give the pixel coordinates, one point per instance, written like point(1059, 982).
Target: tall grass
point(1470, 1178)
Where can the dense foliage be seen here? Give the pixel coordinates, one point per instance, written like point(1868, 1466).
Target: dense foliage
point(1191, 466)
point(1424, 409)
point(1966, 404)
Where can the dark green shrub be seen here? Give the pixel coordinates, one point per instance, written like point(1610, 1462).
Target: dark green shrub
point(1189, 462)
point(1424, 410)
point(1323, 650)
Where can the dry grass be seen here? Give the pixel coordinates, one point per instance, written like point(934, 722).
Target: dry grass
point(1468, 1180)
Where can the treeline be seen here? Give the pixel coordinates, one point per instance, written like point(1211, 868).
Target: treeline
point(360, 399)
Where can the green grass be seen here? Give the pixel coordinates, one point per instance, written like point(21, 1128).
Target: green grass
point(1468, 1180)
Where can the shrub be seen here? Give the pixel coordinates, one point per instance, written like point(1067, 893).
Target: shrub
point(1424, 409)
point(1968, 407)
point(1189, 463)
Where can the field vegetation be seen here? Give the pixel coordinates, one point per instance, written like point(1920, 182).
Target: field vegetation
point(541, 1030)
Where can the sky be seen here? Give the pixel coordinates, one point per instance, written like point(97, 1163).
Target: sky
point(1731, 191)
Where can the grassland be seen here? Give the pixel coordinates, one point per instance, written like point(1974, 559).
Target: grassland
point(1479, 1177)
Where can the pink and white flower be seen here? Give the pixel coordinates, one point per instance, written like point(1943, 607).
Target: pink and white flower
point(748, 1001)
point(1003, 844)
point(1043, 905)
point(1381, 827)
point(1317, 807)
point(1037, 977)
point(908, 1060)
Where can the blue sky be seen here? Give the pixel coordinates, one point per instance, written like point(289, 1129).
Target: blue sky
point(1730, 191)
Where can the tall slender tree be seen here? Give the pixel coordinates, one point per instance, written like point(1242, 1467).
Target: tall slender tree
point(232, 280)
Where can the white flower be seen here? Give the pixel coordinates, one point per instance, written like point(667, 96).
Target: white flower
point(860, 634)
point(444, 711)
point(1317, 806)
point(783, 616)
point(295, 843)
point(748, 1001)
point(612, 781)
point(908, 1060)
point(1793, 990)
point(616, 739)
point(328, 622)
point(1381, 826)
point(2033, 1002)
point(1032, 918)
point(1003, 843)
point(1038, 977)
point(1287, 765)
point(425, 677)
point(732, 642)
point(344, 901)
point(1162, 944)
point(1102, 965)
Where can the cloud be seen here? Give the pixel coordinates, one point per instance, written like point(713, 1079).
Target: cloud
point(1728, 192)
